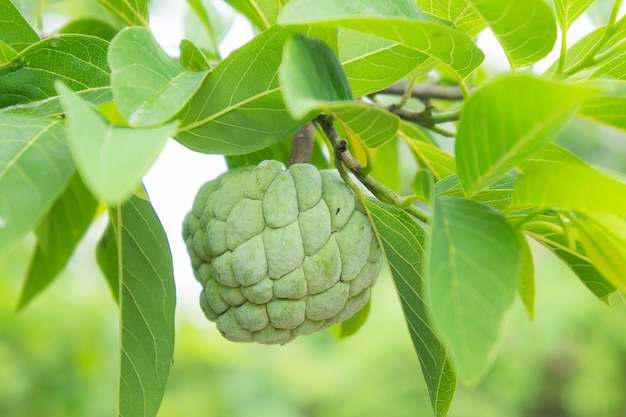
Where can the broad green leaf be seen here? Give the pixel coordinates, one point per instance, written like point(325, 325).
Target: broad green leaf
point(473, 275)
point(458, 12)
point(262, 13)
point(27, 81)
point(192, 57)
point(550, 154)
point(313, 81)
point(88, 26)
point(35, 167)
point(208, 25)
point(108, 261)
point(147, 300)
point(613, 63)
point(498, 195)
point(567, 11)
point(14, 29)
point(57, 236)
point(604, 238)
point(111, 160)
point(606, 109)
point(353, 324)
point(239, 107)
point(389, 166)
point(372, 63)
point(506, 121)
point(423, 185)
point(576, 187)
point(149, 87)
point(525, 29)
point(527, 279)
point(6, 53)
point(437, 161)
point(129, 12)
point(400, 22)
point(403, 241)
point(573, 256)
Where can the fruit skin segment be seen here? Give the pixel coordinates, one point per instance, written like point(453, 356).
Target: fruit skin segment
point(280, 252)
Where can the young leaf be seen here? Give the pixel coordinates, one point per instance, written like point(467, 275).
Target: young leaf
point(574, 257)
point(613, 63)
point(574, 187)
point(262, 13)
point(525, 29)
point(111, 160)
point(313, 81)
point(208, 25)
point(130, 12)
point(57, 237)
point(604, 238)
point(473, 275)
point(403, 241)
point(400, 22)
point(372, 63)
point(149, 87)
point(458, 12)
point(147, 299)
point(239, 107)
point(527, 278)
point(35, 167)
point(93, 27)
point(567, 11)
point(506, 121)
point(15, 31)
point(108, 261)
point(192, 57)
point(27, 81)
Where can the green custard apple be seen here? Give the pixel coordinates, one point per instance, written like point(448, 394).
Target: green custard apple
point(280, 252)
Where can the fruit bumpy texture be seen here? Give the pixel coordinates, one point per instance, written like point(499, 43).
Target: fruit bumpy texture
point(280, 253)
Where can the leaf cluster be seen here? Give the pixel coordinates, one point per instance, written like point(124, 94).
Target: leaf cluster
point(379, 89)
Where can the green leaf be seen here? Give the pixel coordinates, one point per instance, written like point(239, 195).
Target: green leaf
point(458, 12)
point(372, 63)
point(58, 235)
point(239, 107)
point(574, 187)
point(130, 12)
point(527, 279)
point(313, 81)
point(111, 160)
point(35, 167)
point(14, 29)
point(262, 13)
point(147, 303)
point(573, 256)
point(473, 275)
point(613, 63)
point(604, 238)
point(192, 57)
point(353, 324)
point(6, 53)
point(208, 25)
point(27, 81)
point(525, 29)
point(108, 260)
point(567, 11)
point(609, 108)
point(506, 121)
point(400, 22)
point(149, 87)
point(423, 185)
point(498, 195)
point(87, 26)
point(403, 241)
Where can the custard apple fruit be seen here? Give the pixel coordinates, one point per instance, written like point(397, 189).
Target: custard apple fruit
point(280, 253)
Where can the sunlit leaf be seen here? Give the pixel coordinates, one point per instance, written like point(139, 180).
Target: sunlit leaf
point(498, 195)
point(527, 279)
point(35, 167)
point(149, 87)
point(574, 187)
point(506, 121)
point(208, 25)
point(525, 29)
point(404, 241)
point(192, 57)
point(567, 11)
point(130, 12)
point(458, 12)
point(610, 110)
point(400, 22)
point(57, 236)
point(87, 26)
point(262, 13)
point(147, 299)
point(108, 261)
point(111, 160)
point(604, 238)
point(473, 275)
point(14, 29)
point(27, 81)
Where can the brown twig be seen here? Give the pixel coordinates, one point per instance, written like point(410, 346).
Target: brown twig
point(424, 91)
point(302, 145)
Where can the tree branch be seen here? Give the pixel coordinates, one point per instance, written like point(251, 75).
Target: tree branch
point(302, 145)
point(424, 91)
